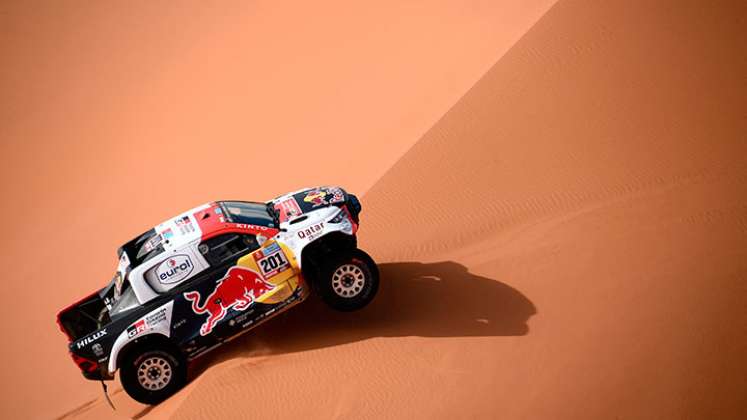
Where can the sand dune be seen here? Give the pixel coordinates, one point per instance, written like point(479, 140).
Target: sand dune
point(568, 241)
point(114, 117)
point(594, 104)
point(599, 169)
point(589, 174)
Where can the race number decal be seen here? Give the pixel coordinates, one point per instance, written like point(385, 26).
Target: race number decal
point(271, 261)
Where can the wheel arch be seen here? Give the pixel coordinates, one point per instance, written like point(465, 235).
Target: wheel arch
point(330, 242)
point(320, 249)
point(149, 339)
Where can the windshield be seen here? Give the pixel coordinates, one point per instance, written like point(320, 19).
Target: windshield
point(248, 213)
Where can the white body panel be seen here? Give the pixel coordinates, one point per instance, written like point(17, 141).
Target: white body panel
point(157, 321)
point(145, 279)
point(298, 235)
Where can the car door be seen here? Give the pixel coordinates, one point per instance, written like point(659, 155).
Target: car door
point(278, 266)
point(219, 293)
point(270, 280)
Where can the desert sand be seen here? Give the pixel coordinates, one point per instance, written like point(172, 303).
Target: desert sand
point(556, 194)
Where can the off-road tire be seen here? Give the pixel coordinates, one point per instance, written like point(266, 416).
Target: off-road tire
point(348, 281)
point(134, 374)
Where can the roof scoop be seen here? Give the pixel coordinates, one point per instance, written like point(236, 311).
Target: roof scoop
point(298, 219)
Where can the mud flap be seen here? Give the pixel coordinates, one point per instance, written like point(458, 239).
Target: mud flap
point(106, 395)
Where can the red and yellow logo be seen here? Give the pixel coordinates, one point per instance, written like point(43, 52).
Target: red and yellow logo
point(316, 198)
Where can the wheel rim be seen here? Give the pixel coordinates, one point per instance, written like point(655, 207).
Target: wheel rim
point(154, 373)
point(348, 280)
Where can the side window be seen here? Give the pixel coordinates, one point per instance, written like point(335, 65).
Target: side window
point(227, 248)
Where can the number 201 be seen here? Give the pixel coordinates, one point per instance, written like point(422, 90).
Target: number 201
point(272, 262)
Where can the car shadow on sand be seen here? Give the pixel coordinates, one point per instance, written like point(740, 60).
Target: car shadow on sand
point(441, 299)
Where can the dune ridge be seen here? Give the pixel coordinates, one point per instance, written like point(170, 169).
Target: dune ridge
point(588, 176)
point(598, 168)
point(570, 114)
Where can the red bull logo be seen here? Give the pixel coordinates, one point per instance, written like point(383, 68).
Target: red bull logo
point(316, 198)
point(237, 290)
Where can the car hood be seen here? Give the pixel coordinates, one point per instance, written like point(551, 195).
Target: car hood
point(295, 204)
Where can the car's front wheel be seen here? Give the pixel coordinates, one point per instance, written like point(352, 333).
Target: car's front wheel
point(152, 374)
point(349, 281)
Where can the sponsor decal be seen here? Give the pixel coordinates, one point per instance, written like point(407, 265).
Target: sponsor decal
point(152, 243)
point(168, 234)
point(174, 269)
point(155, 318)
point(98, 350)
point(271, 261)
point(316, 198)
point(250, 227)
point(184, 224)
point(337, 195)
point(90, 339)
point(218, 210)
point(240, 318)
point(136, 328)
point(237, 290)
point(311, 232)
point(288, 208)
point(273, 247)
point(150, 321)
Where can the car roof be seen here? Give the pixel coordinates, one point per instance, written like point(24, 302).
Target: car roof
point(194, 225)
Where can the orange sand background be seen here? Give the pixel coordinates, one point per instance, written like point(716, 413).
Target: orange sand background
point(567, 240)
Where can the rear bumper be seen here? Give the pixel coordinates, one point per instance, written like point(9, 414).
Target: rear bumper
point(92, 370)
point(94, 376)
point(100, 374)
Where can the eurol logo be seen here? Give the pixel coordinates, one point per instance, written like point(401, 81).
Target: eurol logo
point(174, 269)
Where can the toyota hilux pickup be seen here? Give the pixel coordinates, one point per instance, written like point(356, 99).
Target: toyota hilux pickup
point(209, 274)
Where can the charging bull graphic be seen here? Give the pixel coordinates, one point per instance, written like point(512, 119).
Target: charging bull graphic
point(316, 198)
point(236, 290)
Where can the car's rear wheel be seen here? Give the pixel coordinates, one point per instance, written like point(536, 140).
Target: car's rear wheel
point(151, 374)
point(348, 281)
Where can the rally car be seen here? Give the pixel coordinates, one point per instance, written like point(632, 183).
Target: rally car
point(207, 275)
